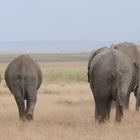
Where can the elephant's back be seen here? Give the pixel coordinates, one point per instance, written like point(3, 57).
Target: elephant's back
point(23, 67)
point(110, 61)
point(131, 50)
point(23, 64)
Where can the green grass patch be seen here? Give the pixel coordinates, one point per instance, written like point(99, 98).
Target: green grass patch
point(66, 75)
point(56, 67)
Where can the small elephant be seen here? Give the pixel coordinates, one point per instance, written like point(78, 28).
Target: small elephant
point(23, 77)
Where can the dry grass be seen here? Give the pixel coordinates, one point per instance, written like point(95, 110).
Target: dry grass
point(64, 109)
point(64, 112)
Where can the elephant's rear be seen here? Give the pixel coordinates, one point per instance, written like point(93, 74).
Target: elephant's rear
point(102, 83)
point(23, 77)
point(110, 78)
point(21, 68)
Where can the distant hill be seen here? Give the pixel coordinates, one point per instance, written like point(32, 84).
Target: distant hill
point(50, 46)
point(47, 57)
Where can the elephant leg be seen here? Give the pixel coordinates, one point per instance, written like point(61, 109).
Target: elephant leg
point(102, 110)
point(21, 107)
point(120, 102)
point(118, 113)
point(109, 110)
point(137, 105)
point(137, 95)
point(121, 97)
point(96, 113)
point(131, 88)
point(31, 101)
point(137, 102)
point(27, 105)
point(119, 108)
point(127, 100)
point(19, 100)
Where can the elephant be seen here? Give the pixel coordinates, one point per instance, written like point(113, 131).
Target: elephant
point(133, 52)
point(111, 76)
point(23, 77)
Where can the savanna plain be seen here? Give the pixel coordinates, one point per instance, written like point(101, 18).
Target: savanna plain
point(65, 105)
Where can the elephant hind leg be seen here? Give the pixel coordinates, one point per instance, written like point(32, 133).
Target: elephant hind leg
point(29, 116)
point(137, 104)
point(21, 107)
point(127, 101)
point(31, 101)
point(137, 95)
point(109, 109)
point(118, 113)
point(121, 99)
point(19, 98)
point(102, 110)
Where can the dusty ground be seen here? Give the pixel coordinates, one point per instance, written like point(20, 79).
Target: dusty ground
point(64, 112)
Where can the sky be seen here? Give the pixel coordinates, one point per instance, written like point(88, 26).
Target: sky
point(69, 21)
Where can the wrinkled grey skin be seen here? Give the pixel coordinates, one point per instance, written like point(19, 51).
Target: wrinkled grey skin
point(24, 77)
point(111, 77)
point(92, 55)
point(133, 51)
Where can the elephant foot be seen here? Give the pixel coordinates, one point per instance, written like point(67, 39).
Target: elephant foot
point(29, 116)
point(101, 121)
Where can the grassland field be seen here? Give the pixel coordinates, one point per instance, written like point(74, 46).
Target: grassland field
point(65, 105)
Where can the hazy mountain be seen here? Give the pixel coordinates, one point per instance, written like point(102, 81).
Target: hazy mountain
point(50, 46)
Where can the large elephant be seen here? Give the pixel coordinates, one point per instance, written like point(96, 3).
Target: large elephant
point(133, 51)
point(111, 75)
point(24, 77)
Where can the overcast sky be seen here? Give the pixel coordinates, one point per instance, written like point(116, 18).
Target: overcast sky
point(69, 20)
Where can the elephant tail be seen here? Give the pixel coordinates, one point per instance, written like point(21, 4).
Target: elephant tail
point(117, 92)
point(22, 85)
